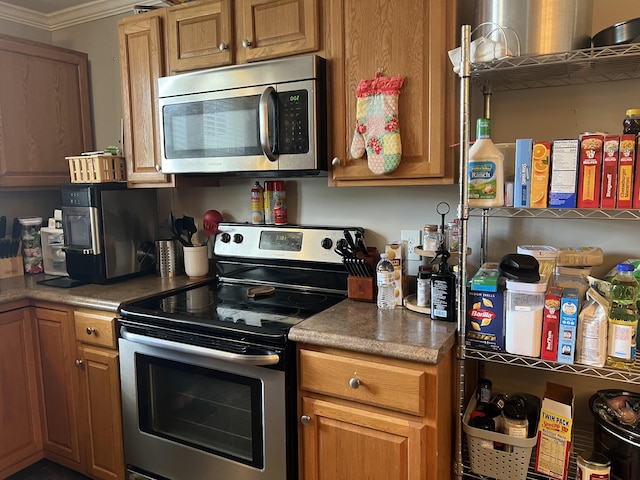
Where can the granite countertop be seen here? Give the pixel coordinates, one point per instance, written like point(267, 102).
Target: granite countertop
point(100, 297)
point(360, 327)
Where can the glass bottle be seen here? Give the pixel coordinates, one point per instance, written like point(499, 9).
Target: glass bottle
point(623, 318)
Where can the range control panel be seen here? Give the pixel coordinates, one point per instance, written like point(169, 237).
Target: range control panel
point(287, 242)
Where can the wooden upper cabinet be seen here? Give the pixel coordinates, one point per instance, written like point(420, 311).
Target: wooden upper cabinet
point(142, 55)
point(268, 29)
point(45, 112)
point(199, 36)
point(408, 38)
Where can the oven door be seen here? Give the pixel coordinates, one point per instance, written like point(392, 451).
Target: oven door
point(193, 412)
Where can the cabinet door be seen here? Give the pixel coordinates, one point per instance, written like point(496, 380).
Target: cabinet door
point(199, 36)
point(341, 441)
point(58, 386)
point(20, 436)
point(100, 385)
point(142, 58)
point(44, 112)
point(276, 28)
point(408, 38)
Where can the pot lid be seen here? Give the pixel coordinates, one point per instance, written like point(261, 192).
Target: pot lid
point(617, 410)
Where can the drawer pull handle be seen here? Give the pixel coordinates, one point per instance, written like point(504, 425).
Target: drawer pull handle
point(90, 330)
point(78, 363)
point(305, 419)
point(354, 383)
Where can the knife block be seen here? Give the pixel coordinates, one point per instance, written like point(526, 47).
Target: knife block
point(11, 267)
point(363, 289)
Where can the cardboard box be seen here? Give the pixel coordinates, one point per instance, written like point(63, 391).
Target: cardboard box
point(590, 171)
point(569, 307)
point(522, 176)
point(485, 320)
point(397, 252)
point(564, 174)
point(627, 156)
point(609, 184)
point(540, 173)
point(551, 323)
point(554, 431)
point(486, 278)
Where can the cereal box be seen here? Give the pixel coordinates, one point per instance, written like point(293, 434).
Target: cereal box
point(627, 156)
point(551, 323)
point(564, 174)
point(485, 320)
point(397, 252)
point(609, 184)
point(540, 172)
point(522, 177)
point(568, 325)
point(590, 171)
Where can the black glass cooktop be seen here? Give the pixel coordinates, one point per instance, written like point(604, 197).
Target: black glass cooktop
point(218, 307)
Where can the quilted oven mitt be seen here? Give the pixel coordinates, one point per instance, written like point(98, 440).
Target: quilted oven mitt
point(377, 128)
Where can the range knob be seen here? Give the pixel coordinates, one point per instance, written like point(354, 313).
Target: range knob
point(326, 243)
point(237, 238)
point(225, 238)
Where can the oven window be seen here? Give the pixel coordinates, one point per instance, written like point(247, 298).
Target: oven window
point(210, 410)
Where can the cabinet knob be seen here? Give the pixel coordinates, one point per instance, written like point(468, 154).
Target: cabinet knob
point(78, 363)
point(335, 162)
point(305, 419)
point(90, 330)
point(354, 383)
point(246, 43)
point(158, 168)
point(222, 46)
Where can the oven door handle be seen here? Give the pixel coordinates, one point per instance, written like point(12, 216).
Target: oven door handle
point(257, 360)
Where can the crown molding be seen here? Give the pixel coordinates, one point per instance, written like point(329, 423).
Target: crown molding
point(69, 17)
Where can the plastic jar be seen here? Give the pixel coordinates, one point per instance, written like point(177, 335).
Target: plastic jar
point(514, 422)
point(631, 122)
point(523, 329)
point(592, 466)
point(31, 245)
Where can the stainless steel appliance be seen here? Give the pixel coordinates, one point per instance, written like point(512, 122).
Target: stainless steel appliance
point(266, 117)
point(208, 374)
point(109, 231)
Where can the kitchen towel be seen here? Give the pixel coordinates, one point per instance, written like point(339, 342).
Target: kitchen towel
point(377, 127)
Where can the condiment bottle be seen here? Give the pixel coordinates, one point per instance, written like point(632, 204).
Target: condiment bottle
point(592, 466)
point(514, 422)
point(483, 392)
point(486, 175)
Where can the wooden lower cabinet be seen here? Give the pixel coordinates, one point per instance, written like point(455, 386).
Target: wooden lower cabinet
point(363, 416)
point(78, 374)
point(20, 434)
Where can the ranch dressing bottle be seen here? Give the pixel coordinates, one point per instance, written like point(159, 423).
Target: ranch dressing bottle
point(486, 176)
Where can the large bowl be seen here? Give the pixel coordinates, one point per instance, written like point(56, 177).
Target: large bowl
point(618, 34)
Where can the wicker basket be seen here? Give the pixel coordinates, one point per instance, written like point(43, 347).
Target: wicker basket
point(493, 463)
point(96, 169)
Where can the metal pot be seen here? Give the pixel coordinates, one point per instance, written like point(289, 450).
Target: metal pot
point(543, 26)
point(618, 442)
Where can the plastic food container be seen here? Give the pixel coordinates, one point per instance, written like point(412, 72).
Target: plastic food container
point(546, 256)
point(523, 319)
point(31, 246)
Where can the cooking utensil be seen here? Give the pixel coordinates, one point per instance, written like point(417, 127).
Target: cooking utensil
point(210, 222)
point(3, 226)
point(260, 291)
point(15, 228)
point(618, 34)
point(189, 226)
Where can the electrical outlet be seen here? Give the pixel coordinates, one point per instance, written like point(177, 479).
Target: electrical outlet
point(413, 239)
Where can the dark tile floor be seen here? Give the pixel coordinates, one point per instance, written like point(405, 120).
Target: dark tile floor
point(46, 470)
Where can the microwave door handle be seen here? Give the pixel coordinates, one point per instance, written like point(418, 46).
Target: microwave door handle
point(257, 360)
point(263, 115)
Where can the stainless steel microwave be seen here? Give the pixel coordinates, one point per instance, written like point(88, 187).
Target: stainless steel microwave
point(261, 118)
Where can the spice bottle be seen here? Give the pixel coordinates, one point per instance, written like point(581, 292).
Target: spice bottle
point(430, 238)
point(483, 392)
point(514, 422)
point(423, 288)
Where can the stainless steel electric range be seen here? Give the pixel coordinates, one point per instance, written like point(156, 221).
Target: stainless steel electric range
point(208, 374)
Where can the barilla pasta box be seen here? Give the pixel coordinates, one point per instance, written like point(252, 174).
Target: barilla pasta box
point(564, 174)
point(609, 184)
point(590, 171)
point(397, 253)
point(568, 325)
point(540, 173)
point(551, 323)
point(485, 320)
point(627, 156)
point(522, 176)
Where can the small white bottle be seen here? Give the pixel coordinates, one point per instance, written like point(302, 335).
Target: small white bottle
point(386, 285)
point(485, 170)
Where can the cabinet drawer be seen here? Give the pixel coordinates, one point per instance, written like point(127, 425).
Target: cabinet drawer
point(388, 386)
point(95, 328)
